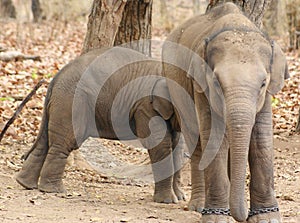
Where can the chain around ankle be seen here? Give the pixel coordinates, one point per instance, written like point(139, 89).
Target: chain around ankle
point(215, 211)
point(253, 212)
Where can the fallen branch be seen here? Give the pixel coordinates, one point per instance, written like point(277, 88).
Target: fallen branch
point(15, 55)
point(19, 109)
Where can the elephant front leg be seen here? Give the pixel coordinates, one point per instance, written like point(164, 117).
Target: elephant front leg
point(217, 188)
point(196, 202)
point(163, 170)
point(156, 137)
point(263, 204)
point(179, 161)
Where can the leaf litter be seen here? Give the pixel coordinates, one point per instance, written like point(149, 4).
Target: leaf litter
point(57, 43)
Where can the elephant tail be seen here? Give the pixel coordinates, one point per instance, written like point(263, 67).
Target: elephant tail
point(42, 138)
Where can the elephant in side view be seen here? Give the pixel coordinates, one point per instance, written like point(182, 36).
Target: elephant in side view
point(113, 93)
point(230, 69)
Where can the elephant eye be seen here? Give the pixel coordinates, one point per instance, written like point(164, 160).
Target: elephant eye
point(263, 84)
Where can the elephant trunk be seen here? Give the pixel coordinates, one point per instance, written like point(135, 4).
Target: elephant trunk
point(240, 120)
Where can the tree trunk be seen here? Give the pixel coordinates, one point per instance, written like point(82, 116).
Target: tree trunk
point(275, 19)
point(298, 123)
point(135, 26)
point(36, 10)
point(196, 6)
point(293, 10)
point(103, 24)
point(165, 16)
point(254, 9)
point(7, 9)
point(117, 22)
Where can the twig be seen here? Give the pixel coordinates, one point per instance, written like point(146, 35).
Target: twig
point(298, 123)
point(19, 109)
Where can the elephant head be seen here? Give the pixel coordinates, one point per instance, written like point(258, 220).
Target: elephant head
point(243, 69)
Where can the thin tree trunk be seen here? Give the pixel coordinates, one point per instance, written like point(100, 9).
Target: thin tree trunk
point(254, 9)
point(196, 6)
point(165, 16)
point(7, 9)
point(298, 123)
point(103, 24)
point(135, 26)
point(36, 10)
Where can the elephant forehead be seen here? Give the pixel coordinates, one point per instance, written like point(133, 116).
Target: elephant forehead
point(238, 47)
point(240, 38)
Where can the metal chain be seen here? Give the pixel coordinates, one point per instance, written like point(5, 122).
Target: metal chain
point(225, 211)
point(216, 211)
point(262, 211)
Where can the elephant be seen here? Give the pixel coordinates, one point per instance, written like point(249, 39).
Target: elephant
point(230, 69)
point(112, 93)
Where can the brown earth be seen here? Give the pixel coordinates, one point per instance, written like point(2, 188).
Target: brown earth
point(94, 197)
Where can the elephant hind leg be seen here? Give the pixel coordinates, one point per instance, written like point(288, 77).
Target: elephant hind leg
point(34, 160)
point(61, 145)
point(52, 171)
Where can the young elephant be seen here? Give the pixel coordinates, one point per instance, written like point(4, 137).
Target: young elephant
point(230, 69)
point(112, 93)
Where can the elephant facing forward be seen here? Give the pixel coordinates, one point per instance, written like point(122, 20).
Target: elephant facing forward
point(112, 93)
point(230, 69)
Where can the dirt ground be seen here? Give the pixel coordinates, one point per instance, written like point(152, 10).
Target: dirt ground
point(98, 197)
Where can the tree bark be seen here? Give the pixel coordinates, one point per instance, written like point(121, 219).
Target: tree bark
point(117, 22)
point(196, 6)
point(135, 26)
point(103, 24)
point(293, 10)
point(7, 9)
point(165, 16)
point(254, 9)
point(36, 10)
point(275, 19)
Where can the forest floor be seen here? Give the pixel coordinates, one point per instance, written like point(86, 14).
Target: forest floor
point(95, 196)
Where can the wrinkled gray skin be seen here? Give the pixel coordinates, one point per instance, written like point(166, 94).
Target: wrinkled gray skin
point(44, 164)
point(246, 73)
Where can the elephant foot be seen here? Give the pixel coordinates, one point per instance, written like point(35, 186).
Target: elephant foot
point(167, 197)
point(26, 181)
point(51, 186)
point(213, 218)
point(29, 175)
point(196, 204)
point(270, 217)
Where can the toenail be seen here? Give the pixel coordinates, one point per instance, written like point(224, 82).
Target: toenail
point(274, 221)
point(199, 209)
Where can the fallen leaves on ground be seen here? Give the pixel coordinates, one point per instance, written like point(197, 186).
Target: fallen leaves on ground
point(57, 43)
point(287, 102)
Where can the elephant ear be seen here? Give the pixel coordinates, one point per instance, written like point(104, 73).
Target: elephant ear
point(162, 101)
point(198, 69)
point(278, 69)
